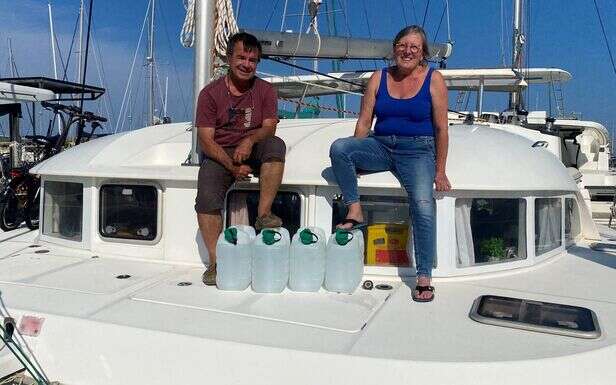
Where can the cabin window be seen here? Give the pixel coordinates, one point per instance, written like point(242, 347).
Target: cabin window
point(128, 212)
point(572, 220)
point(63, 210)
point(242, 207)
point(490, 230)
point(388, 236)
point(548, 224)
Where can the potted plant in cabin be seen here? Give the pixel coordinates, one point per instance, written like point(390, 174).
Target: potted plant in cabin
point(493, 249)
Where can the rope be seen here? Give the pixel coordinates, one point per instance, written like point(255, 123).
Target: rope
point(224, 26)
point(320, 107)
point(187, 35)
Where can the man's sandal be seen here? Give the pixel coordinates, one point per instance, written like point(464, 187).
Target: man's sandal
point(420, 290)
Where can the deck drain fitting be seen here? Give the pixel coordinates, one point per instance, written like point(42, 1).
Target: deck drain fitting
point(94, 256)
point(41, 251)
point(367, 285)
point(383, 286)
point(32, 246)
point(184, 283)
point(123, 276)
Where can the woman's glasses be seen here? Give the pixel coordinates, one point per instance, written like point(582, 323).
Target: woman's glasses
point(401, 47)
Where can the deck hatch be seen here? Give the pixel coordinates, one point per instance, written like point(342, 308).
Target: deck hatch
point(544, 317)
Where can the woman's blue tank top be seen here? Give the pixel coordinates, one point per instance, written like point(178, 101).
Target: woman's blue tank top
point(404, 117)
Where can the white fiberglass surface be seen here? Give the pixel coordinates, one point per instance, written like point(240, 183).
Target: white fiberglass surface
point(332, 311)
point(85, 275)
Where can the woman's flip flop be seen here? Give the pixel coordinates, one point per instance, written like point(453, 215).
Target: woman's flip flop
point(421, 289)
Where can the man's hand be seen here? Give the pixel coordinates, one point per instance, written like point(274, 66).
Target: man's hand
point(243, 150)
point(441, 182)
point(241, 172)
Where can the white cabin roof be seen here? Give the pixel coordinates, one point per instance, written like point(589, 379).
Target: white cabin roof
point(499, 160)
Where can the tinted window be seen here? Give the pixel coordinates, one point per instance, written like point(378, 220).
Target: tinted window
point(128, 212)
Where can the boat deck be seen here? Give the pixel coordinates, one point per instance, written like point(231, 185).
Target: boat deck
point(81, 291)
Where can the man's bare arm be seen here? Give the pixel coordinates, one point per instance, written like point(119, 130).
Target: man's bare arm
point(212, 149)
point(243, 150)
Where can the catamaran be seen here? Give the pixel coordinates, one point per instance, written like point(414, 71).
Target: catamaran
point(109, 290)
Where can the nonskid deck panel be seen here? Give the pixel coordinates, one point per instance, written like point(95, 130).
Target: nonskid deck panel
point(332, 311)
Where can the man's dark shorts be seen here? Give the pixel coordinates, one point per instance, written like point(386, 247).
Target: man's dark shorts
point(215, 180)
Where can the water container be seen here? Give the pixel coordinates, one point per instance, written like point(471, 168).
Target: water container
point(270, 260)
point(233, 258)
point(307, 260)
point(344, 264)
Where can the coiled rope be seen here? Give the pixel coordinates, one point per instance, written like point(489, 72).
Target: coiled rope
point(187, 35)
point(225, 25)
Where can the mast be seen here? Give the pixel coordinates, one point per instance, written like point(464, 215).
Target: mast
point(78, 77)
point(518, 40)
point(52, 36)
point(166, 90)
point(150, 61)
point(204, 44)
point(53, 43)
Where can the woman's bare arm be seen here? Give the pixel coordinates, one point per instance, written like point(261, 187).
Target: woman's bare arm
point(366, 113)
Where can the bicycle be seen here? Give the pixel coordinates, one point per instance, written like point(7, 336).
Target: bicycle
point(20, 201)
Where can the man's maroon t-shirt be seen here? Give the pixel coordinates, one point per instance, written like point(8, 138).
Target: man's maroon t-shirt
point(234, 117)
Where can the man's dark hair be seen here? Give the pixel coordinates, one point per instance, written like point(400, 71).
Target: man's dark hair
point(250, 42)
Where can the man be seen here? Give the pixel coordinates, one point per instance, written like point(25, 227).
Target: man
point(236, 121)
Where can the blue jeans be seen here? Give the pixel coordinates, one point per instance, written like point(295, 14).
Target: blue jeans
point(412, 160)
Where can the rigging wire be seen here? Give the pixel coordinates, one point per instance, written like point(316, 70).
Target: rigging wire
point(295, 79)
point(271, 15)
point(301, 27)
point(314, 72)
point(439, 24)
point(369, 29)
point(502, 33)
point(449, 40)
point(101, 77)
point(70, 50)
point(528, 46)
point(403, 13)
point(130, 73)
point(415, 18)
point(238, 8)
point(85, 64)
point(425, 14)
point(346, 22)
point(607, 43)
point(284, 15)
point(174, 65)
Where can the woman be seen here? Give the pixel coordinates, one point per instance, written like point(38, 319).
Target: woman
point(410, 139)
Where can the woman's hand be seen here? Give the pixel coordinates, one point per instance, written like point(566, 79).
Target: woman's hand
point(441, 182)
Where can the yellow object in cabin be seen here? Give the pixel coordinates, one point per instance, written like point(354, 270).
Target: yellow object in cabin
point(386, 245)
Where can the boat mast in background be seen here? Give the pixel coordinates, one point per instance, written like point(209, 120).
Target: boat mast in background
point(515, 97)
point(150, 63)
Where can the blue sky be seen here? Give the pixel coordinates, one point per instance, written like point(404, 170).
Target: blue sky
point(563, 34)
